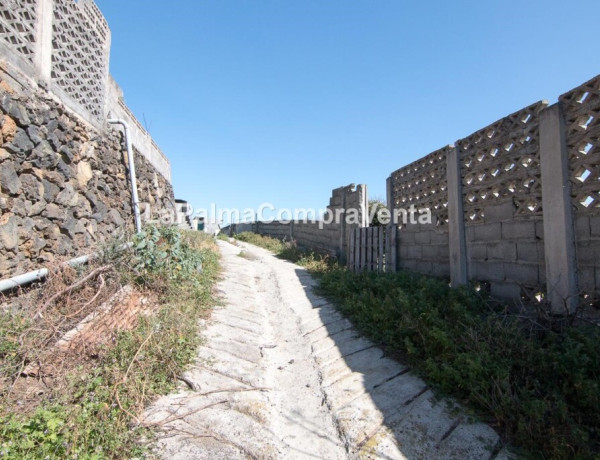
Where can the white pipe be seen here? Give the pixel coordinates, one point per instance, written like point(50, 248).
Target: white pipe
point(20, 280)
point(38, 275)
point(134, 194)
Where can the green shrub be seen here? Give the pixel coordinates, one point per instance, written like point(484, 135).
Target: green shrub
point(539, 387)
point(161, 250)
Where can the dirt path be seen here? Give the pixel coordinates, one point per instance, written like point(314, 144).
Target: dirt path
point(283, 376)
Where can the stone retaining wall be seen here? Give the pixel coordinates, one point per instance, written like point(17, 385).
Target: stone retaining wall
point(64, 185)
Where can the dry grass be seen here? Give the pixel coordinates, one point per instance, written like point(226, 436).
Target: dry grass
point(38, 361)
point(82, 354)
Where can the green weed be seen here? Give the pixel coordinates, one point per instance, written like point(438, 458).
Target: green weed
point(290, 251)
point(95, 414)
point(223, 237)
point(272, 244)
point(540, 388)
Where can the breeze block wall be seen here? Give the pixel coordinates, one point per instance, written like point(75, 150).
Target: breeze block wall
point(422, 184)
point(500, 196)
point(522, 211)
point(64, 186)
point(502, 202)
point(581, 108)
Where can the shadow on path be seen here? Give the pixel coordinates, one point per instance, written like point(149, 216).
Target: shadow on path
point(381, 408)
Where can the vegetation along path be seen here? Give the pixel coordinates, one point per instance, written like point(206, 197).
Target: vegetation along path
point(283, 375)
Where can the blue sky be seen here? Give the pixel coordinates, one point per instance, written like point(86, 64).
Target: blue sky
point(284, 100)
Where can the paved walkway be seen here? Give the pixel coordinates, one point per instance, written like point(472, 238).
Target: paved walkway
point(282, 375)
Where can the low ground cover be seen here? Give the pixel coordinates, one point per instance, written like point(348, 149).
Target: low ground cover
point(538, 386)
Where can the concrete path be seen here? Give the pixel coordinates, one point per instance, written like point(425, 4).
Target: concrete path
point(282, 375)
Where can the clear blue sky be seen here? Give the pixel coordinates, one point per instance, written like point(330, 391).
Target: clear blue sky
point(284, 100)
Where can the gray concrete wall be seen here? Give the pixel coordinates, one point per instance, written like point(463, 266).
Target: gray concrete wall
point(580, 108)
point(587, 238)
point(281, 231)
point(500, 209)
point(502, 202)
point(423, 248)
point(328, 238)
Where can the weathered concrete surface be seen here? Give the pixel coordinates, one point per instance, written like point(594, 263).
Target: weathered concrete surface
point(283, 375)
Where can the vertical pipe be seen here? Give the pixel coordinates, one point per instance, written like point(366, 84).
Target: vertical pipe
point(132, 177)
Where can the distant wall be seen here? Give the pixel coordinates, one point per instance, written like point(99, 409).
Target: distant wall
point(510, 200)
point(330, 238)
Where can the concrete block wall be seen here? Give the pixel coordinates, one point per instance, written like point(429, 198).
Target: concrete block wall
point(325, 240)
point(349, 197)
point(423, 248)
point(581, 111)
point(502, 204)
point(587, 238)
point(328, 238)
point(281, 231)
point(516, 204)
point(234, 229)
point(508, 254)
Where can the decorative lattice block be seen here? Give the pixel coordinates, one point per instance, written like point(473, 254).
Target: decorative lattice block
point(501, 162)
point(424, 185)
point(581, 107)
point(80, 53)
point(17, 26)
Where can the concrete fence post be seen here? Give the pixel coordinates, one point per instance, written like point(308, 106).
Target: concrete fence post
point(392, 249)
point(43, 40)
point(559, 243)
point(342, 224)
point(389, 198)
point(456, 221)
point(364, 204)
